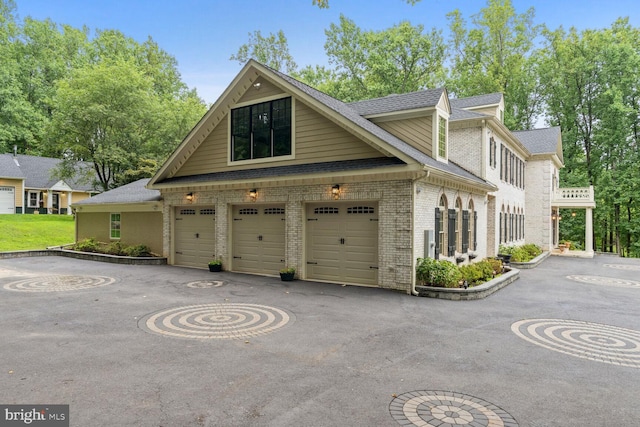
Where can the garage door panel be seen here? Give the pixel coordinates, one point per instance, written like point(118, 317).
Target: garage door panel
point(342, 242)
point(7, 200)
point(258, 239)
point(194, 236)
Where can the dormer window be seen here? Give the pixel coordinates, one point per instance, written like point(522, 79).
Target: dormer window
point(261, 131)
point(442, 137)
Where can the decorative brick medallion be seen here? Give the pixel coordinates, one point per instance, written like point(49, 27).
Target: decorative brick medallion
point(592, 341)
point(216, 321)
point(607, 281)
point(58, 283)
point(447, 409)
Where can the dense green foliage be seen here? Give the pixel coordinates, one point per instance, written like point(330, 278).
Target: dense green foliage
point(522, 253)
point(443, 273)
point(108, 100)
point(112, 248)
point(586, 82)
point(32, 232)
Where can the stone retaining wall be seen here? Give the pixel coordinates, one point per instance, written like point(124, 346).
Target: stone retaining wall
point(87, 256)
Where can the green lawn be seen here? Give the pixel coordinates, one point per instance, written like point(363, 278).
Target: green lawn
point(28, 231)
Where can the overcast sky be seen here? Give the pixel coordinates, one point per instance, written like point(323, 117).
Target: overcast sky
point(202, 34)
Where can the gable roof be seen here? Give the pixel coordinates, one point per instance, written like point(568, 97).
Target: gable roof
point(460, 114)
point(542, 141)
point(394, 103)
point(348, 116)
point(134, 192)
point(477, 101)
point(39, 172)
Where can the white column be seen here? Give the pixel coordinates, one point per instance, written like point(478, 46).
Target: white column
point(69, 201)
point(49, 201)
point(588, 232)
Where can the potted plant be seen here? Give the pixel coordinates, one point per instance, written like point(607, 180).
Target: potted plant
point(215, 265)
point(287, 274)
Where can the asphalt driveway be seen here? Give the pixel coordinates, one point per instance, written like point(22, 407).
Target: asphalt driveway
point(169, 346)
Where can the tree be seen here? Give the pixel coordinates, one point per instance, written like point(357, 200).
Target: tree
point(272, 51)
point(104, 113)
point(371, 64)
point(494, 55)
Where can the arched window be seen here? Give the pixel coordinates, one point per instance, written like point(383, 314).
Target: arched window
point(441, 228)
point(507, 231)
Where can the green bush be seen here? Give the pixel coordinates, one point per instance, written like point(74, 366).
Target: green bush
point(87, 245)
point(496, 265)
point(478, 273)
point(433, 272)
point(523, 253)
point(114, 248)
point(137, 251)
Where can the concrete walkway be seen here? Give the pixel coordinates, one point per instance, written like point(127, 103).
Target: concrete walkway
point(169, 346)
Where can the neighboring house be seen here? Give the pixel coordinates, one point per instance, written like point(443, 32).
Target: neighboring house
point(279, 174)
point(29, 184)
point(131, 214)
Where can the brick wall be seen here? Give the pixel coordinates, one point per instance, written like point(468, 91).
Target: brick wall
point(395, 252)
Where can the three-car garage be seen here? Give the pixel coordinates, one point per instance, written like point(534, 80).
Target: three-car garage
point(340, 239)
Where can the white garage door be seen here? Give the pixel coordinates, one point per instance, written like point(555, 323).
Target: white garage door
point(342, 242)
point(258, 239)
point(7, 200)
point(194, 232)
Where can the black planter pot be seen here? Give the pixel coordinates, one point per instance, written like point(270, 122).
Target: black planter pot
point(506, 258)
point(287, 277)
point(215, 268)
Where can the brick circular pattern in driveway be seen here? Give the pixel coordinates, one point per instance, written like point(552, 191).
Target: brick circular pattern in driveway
point(592, 341)
point(607, 281)
point(447, 409)
point(623, 267)
point(216, 321)
point(204, 284)
point(58, 283)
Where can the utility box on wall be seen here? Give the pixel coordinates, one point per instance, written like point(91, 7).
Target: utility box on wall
point(429, 244)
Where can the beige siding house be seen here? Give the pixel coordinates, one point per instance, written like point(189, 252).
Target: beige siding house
point(278, 174)
point(31, 184)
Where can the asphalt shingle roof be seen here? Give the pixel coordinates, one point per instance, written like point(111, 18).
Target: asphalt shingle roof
point(134, 192)
point(460, 114)
point(39, 172)
point(9, 168)
point(353, 116)
point(476, 101)
point(394, 103)
point(540, 141)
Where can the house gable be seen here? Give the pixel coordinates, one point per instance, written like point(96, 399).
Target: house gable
point(320, 132)
point(315, 139)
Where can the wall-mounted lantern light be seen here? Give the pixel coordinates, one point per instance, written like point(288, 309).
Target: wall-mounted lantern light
point(335, 190)
point(190, 197)
point(253, 194)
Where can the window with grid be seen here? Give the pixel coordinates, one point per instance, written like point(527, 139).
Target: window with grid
point(442, 137)
point(261, 131)
point(114, 226)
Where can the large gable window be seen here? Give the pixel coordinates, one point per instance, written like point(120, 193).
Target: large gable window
point(261, 131)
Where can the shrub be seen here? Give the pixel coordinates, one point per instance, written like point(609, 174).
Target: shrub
point(523, 253)
point(137, 250)
point(478, 273)
point(87, 245)
point(438, 273)
point(114, 248)
point(496, 265)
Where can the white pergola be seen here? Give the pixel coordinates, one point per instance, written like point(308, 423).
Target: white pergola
point(576, 198)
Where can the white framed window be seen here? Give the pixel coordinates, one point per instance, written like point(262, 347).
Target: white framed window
point(442, 137)
point(34, 199)
point(114, 226)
